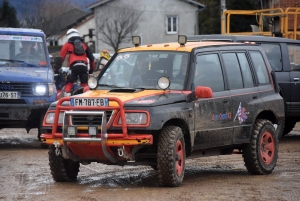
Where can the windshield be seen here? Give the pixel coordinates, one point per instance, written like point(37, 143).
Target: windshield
point(18, 50)
point(143, 70)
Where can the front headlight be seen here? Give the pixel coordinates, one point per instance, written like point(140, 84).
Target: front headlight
point(135, 118)
point(39, 90)
point(93, 83)
point(50, 118)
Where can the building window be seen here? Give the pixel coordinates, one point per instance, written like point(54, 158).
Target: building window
point(172, 24)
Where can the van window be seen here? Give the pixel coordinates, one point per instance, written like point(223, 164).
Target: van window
point(233, 71)
point(273, 53)
point(294, 54)
point(260, 67)
point(209, 73)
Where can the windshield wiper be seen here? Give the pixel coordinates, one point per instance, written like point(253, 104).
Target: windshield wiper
point(18, 61)
point(108, 85)
point(11, 60)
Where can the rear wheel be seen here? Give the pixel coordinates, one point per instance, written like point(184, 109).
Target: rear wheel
point(62, 169)
point(289, 126)
point(171, 156)
point(260, 155)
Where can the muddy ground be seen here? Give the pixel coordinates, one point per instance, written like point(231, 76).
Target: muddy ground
point(25, 175)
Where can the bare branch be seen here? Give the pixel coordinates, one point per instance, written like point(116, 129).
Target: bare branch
point(42, 14)
point(117, 24)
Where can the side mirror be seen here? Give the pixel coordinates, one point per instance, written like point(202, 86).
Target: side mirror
point(203, 92)
point(56, 62)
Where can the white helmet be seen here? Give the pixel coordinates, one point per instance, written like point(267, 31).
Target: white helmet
point(71, 33)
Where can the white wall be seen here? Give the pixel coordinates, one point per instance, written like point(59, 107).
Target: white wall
point(152, 25)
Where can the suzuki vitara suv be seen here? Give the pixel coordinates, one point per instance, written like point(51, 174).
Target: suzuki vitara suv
point(161, 104)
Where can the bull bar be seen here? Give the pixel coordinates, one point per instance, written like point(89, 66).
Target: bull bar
point(112, 139)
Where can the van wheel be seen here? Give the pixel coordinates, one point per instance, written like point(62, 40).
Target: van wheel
point(289, 126)
point(40, 130)
point(62, 169)
point(171, 156)
point(260, 155)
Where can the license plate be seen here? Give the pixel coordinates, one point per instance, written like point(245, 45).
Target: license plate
point(89, 102)
point(9, 95)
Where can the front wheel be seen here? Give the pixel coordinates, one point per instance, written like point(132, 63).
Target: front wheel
point(260, 155)
point(62, 169)
point(171, 156)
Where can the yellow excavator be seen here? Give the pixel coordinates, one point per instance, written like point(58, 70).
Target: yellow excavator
point(282, 23)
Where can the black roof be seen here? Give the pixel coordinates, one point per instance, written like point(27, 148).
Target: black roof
point(236, 38)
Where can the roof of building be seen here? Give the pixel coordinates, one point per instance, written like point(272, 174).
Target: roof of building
point(70, 19)
point(101, 2)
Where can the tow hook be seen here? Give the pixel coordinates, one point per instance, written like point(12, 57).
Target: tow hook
point(57, 148)
point(124, 154)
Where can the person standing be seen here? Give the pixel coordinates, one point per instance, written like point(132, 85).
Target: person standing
point(79, 53)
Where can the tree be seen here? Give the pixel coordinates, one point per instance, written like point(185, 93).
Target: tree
point(210, 17)
point(117, 24)
point(240, 23)
point(8, 15)
point(42, 14)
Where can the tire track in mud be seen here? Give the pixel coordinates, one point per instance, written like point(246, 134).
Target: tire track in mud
point(117, 177)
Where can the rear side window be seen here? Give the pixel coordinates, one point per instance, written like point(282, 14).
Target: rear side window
point(260, 67)
point(273, 53)
point(294, 54)
point(209, 72)
point(233, 71)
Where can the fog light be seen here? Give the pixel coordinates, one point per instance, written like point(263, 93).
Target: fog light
point(71, 131)
point(93, 131)
point(136, 40)
point(182, 39)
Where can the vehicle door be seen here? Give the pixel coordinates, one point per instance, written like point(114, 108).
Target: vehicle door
point(245, 95)
point(294, 56)
point(277, 54)
point(213, 116)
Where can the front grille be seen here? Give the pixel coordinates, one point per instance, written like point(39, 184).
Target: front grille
point(24, 88)
point(82, 120)
point(12, 101)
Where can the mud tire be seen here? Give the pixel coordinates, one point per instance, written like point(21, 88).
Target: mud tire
point(289, 126)
point(260, 155)
point(171, 156)
point(62, 170)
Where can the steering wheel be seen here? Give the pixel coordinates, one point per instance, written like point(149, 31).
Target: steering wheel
point(28, 57)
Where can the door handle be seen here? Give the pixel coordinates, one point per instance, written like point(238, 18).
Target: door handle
point(296, 78)
point(225, 101)
point(254, 97)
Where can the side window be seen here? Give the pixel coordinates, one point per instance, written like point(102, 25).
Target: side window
point(294, 54)
point(246, 71)
point(273, 53)
point(233, 71)
point(260, 67)
point(172, 24)
point(208, 72)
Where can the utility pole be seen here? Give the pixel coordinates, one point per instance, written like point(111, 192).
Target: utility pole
point(223, 8)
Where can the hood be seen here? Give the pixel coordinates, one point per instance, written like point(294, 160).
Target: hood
point(141, 98)
point(26, 74)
